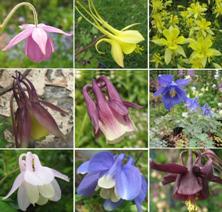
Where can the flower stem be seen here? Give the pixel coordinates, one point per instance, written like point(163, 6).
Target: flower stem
point(9, 16)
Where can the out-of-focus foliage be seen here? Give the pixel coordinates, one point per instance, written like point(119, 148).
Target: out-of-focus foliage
point(95, 203)
point(55, 13)
point(61, 160)
point(181, 128)
point(118, 13)
point(132, 86)
point(161, 196)
point(185, 33)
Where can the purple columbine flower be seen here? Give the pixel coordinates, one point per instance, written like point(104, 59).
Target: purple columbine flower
point(192, 104)
point(117, 181)
point(108, 112)
point(206, 110)
point(191, 179)
point(172, 91)
point(39, 46)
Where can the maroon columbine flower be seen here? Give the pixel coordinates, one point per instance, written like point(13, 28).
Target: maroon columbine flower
point(31, 121)
point(191, 180)
point(108, 112)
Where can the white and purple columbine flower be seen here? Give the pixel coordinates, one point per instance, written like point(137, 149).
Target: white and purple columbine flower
point(206, 110)
point(108, 112)
point(115, 180)
point(192, 104)
point(39, 46)
point(172, 92)
point(36, 184)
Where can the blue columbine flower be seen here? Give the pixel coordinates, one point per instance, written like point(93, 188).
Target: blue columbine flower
point(117, 181)
point(206, 110)
point(172, 91)
point(192, 104)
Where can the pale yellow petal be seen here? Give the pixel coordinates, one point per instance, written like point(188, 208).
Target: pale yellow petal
point(130, 36)
point(117, 53)
point(128, 48)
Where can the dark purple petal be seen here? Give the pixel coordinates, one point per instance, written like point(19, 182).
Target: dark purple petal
point(182, 82)
point(91, 108)
point(165, 80)
point(101, 161)
point(88, 184)
point(128, 182)
point(170, 168)
point(216, 179)
point(169, 179)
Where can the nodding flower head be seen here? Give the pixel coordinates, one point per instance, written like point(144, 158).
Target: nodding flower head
point(117, 181)
point(108, 112)
point(36, 184)
point(38, 44)
point(172, 92)
point(191, 179)
point(31, 121)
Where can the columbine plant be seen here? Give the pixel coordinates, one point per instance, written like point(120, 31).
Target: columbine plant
point(31, 121)
point(108, 112)
point(173, 93)
point(36, 184)
point(38, 44)
point(122, 42)
point(191, 180)
point(116, 181)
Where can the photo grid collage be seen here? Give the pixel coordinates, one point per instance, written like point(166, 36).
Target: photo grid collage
point(111, 105)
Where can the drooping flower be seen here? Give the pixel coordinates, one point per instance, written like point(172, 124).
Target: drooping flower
point(172, 92)
point(117, 181)
point(38, 44)
point(31, 121)
point(108, 112)
point(122, 42)
point(192, 104)
point(191, 180)
point(206, 110)
point(36, 184)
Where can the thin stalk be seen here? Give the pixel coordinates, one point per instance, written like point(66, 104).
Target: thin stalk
point(11, 13)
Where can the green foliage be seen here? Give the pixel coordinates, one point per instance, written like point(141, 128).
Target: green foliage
point(95, 202)
point(119, 15)
point(181, 128)
point(132, 86)
point(9, 169)
point(56, 13)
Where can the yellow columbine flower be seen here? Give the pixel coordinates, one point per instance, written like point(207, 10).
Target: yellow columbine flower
point(172, 41)
point(122, 41)
point(202, 51)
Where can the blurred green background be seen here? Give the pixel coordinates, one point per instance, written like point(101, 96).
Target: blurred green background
point(132, 86)
point(161, 196)
point(95, 203)
point(57, 13)
point(119, 14)
point(61, 160)
point(197, 130)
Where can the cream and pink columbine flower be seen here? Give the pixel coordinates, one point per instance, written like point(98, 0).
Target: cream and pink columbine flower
point(109, 114)
point(36, 184)
point(38, 44)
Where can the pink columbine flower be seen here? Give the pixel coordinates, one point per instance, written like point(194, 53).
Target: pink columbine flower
point(108, 112)
point(39, 46)
point(36, 184)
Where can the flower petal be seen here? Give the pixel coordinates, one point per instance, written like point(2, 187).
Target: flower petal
point(88, 184)
point(18, 38)
point(169, 179)
point(46, 191)
point(32, 192)
point(57, 191)
point(60, 175)
point(48, 28)
point(40, 37)
point(182, 82)
point(170, 167)
point(17, 183)
point(83, 169)
point(22, 198)
point(130, 36)
point(128, 182)
point(42, 200)
point(165, 80)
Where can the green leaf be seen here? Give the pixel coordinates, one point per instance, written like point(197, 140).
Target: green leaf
point(168, 56)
